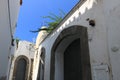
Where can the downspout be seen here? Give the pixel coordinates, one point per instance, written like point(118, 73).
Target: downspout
point(10, 26)
point(10, 19)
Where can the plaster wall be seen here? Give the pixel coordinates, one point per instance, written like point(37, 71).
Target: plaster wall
point(39, 39)
point(14, 6)
point(112, 11)
point(5, 37)
point(24, 49)
point(103, 37)
point(6, 32)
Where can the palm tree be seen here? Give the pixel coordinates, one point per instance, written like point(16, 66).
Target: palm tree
point(54, 21)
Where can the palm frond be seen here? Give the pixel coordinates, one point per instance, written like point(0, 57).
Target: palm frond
point(55, 21)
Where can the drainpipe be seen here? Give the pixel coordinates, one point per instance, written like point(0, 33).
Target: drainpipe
point(10, 27)
point(10, 19)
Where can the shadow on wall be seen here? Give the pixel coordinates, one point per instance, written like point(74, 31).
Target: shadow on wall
point(3, 78)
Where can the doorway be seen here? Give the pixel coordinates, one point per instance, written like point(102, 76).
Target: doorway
point(21, 69)
point(70, 58)
point(72, 62)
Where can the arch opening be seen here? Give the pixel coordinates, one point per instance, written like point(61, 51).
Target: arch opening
point(41, 69)
point(72, 61)
point(21, 68)
point(70, 58)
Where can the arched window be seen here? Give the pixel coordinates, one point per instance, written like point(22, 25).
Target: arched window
point(20, 68)
point(41, 65)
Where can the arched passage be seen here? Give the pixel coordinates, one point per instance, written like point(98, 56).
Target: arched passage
point(40, 75)
point(70, 55)
point(72, 61)
point(21, 68)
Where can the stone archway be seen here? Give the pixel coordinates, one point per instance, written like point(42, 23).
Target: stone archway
point(21, 67)
point(68, 38)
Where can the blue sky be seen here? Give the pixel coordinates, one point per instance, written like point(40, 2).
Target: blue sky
point(31, 12)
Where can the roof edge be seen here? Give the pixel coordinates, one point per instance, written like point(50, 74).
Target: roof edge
point(67, 16)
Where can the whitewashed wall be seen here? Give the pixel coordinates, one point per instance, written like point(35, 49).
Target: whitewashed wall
point(39, 39)
point(112, 20)
point(104, 40)
point(14, 11)
point(25, 48)
point(7, 26)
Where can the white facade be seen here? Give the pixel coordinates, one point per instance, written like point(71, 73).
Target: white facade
point(25, 50)
point(101, 18)
point(8, 19)
point(40, 38)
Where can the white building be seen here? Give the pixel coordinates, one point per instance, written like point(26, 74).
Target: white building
point(84, 46)
point(9, 10)
point(22, 61)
